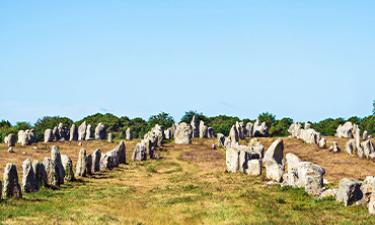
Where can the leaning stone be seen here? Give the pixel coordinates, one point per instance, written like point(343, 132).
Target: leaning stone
point(11, 186)
point(254, 167)
point(349, 191)
point(68, 167)
point(275, 152)
point(29, 183)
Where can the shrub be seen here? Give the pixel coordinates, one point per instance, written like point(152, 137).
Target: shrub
point(48, 122)
point(112, 122)
point(280, 127)
point(222, 123)
point(163, 119)
point(189, 116)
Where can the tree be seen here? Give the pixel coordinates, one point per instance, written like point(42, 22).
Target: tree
point(368, 123)
point(328, 126)
point(222, 123)
point(280, 127)
point(49, 122)
point(189, 116)
point(373, 108)
point(138, 126)
point(163, 119)
point(112, 122)
point(268, 118)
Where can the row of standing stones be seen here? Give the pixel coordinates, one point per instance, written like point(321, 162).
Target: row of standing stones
point(350, 191)
point(53, 171)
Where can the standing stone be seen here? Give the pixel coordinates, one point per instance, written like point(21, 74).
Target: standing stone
point(63, 132)
point(11, 186)
point(68, 167)
point(82, 131)
point(96, 155)
point(334, 148)
point(81, 164)
point(232, 160)
point(310, 177)
point(195, 127)
point(183, 134)
point(202, 130)
point(273, 160)
point(139, 153)
point(128, 134)
point(121, 149)
point(346, 130)
point(233, 134)
point(55, 134)
point(100, 132)
point(322, 143)
point(210, 132)
point(249, 129)
point(89, 135)
point(89, 165)
point(26, 137)
point(168, 133)
point(350, 146)
point(29, 183)
point(371, 204)
point(109, 138)
point(73, 133)
point(57, 166)
point(48, 136)
point(368, 148)
point(106, 162)
point(349, 191)
point(292, 162)
point(254, 167)
point(367, 188)
point(260, 129)
point(365, 135)
point(41, 176)
point(11, 140)
point(220, 139)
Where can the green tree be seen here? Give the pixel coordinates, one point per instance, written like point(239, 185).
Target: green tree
point(222, 123)
point(268, 118)
point(373, 108)
point(328, 126)
point(355, 119)
point(49, 122)
point(368, 123)
point(112, 122)
point(280, 127)
point(163, 119)
point(138, 126)
point(188, 116)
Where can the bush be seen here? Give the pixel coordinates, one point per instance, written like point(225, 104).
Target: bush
point(368, 123)
point(268, 118)
point(328, 126)
point(49, 122)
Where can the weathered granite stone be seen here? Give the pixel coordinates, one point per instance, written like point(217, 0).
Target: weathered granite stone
point(233, 134)
point(128, 134)
point(183, 134)
point(322, 143)
point(350, 146)
point(106, 162)
point(349, 191)
point(100, 132)
point(73, 133)
point(345, 130)
point(220, 139)
point(96, 155)
point(29, 183)
point(139, 153)
point(254, 167)
point(232, 160)
point(194, 127)
point(11, 186)
point(260, 129)
point(334, 148)
point(89, 133)
point(10, 140)
point(68, 167)
point(202, 130)
point(249, 129)
point(109, 138)
point(81, 166)
point(168, 133)
point(59, 173)
point(82, 131)
point(368, 148)
point(292, 162)
point(48, 136)
point(88, 165)
point(367, 188)
point(210, 132)
point(273, 161)
point(41, 175)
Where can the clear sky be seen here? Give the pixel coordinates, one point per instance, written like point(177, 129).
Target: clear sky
point(307, 60)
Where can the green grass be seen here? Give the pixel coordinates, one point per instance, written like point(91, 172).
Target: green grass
point(173, 191)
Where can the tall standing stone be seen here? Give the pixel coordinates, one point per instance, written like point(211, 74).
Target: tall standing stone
point(109, 137)
point(82, 131)
point(29, 183)
point(73, 133)
point(57, 166)
point(194, 127)
point(89, 135)
point(11, 186)
point(68, 167)
point(100, 132)
point(202, 130)
point(48, 136)
point(233, 134)
point(128, 134)
point(139, 153)
point(96, 155)
point(81, 164)
point(11, 140)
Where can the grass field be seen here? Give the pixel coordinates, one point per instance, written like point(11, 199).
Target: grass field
point(187, 186)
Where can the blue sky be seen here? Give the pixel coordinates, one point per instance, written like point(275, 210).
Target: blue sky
point(305, 60)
